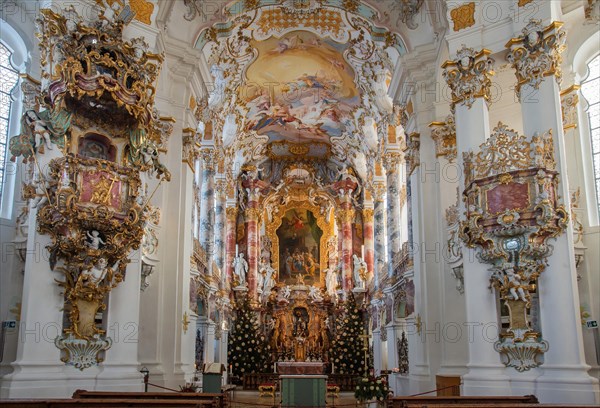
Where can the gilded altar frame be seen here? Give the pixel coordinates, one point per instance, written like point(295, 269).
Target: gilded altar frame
point(325, 222)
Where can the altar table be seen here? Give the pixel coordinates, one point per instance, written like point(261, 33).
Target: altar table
point(300, 367)
point(303, 390)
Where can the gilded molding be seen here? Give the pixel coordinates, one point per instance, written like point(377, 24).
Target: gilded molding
point(209, 159)
point(469, 76)
point(523, 3)
point(506, 151)
point(569, 99)
point(537, 53)
point(346, 215)
point(392, 162)
point(379, 191)
point(252, 214)
point(511, 212)
point(412, 152)
point(444, 136)
point(231, 214)
point(368, 215)
point(463, 16)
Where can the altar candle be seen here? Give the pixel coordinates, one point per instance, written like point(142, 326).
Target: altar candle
point(332, 367)
point(275, 368)
point(362, 252)
point(236, 250)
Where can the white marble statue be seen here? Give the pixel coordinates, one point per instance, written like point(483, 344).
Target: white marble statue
point(360, 272)
point(514, 284)
point(41, 195)
point(269, 278)
point(284, 294)
point(240, 268)
point(39, 129)
point(260, 280)
point(331, 281)
point(97, 272)
point(315, 294)
point(94, 239)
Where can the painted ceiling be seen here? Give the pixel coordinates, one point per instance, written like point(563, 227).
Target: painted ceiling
point(301, 80)
point(301, 90)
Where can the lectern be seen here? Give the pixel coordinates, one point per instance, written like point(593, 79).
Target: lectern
point(303, 390)
point(211, 377)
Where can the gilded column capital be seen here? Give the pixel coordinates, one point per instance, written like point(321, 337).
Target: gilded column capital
point(569, 99)
point(231, 214)
point(346, 215)
point(413, 152)
point(252, 214)
point(378, 192)
point(221, 188)
point(368, 214)
point(392, 161)
point(444, 136)
point(209, 158)
point(537, 53)
point(469, 76)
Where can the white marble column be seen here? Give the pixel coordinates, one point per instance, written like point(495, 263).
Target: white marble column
point(207, 202)
point(377, 358)
point(120, 369)
point(37, 368)
point(564, 372)
point(220, 230)
point(469, 79)
point(393, 162)
point(379, 221)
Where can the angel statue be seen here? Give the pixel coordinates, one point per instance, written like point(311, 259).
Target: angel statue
point(315, 294)
point(331, 281)
point(360, 272)
point(240, 268)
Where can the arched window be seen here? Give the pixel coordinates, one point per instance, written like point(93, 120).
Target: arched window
point(8, 79)
point(590, 88)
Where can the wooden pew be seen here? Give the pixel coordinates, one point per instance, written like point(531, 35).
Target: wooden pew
point(499, 405)
point(106, 403)
point(424, 400)
point(216, 400)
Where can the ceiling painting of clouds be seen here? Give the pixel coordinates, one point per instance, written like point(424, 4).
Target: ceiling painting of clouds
point(300, 89)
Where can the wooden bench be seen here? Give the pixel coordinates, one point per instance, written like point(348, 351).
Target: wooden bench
point(402, 402)
point(217, 400)
point(106, 403)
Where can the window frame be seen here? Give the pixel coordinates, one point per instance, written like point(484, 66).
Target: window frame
point(587, 129)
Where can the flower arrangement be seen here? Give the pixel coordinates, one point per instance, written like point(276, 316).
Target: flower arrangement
point(369, 388)
point(188, 387)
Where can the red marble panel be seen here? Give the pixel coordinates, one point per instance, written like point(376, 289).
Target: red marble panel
point(507, 197)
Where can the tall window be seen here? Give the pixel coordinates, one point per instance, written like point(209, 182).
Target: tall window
point(590, 89)
point(8, 79)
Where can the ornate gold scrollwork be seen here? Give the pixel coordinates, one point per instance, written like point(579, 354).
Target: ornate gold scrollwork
point(537, 54)
point(444, 136)
point(511, 211)
point(469, 76)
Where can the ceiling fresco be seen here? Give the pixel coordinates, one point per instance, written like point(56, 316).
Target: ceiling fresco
point(299, 89)
point(290, 86)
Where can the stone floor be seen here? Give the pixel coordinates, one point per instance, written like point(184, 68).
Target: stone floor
point(250, 399)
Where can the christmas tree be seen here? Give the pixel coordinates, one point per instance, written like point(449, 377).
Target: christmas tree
point(347, 349)
point(247, 350)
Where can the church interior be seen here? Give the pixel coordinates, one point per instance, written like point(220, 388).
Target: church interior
point(300, 198)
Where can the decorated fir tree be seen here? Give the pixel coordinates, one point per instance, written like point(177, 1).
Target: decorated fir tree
point(347, 349)
point(247, 350)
